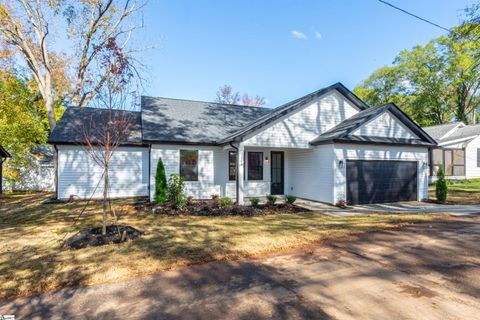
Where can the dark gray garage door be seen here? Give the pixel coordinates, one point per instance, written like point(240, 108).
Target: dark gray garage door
point(370, 181)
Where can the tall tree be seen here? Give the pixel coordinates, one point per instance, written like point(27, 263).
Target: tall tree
point(22, 121)
point(434, 83)
point(95, 27)
point(226, 95)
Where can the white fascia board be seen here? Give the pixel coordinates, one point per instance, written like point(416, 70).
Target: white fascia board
point(457, 140)
point(460, 124)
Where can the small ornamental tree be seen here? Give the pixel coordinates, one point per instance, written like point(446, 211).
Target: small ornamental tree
point(176, 191)
point(441, 188)
point(160, 183)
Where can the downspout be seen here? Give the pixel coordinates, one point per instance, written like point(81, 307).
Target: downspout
point(56, 164)
point(149, 171)
point(237, 189)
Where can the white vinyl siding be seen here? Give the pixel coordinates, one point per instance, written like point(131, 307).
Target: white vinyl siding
point(471, 168)
point(212, 171)
point(297, 129)
point(311, 173)
point(79, 174)
point(204, 188)
point(385, 125)
point(372, 152)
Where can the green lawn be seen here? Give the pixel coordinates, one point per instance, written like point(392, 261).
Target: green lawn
point(470, 185)
point(462, 192)
point(30, 232)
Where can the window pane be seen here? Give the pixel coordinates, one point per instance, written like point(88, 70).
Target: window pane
point(255, 166)
point(459, 157)
point(458, 170)
point(232, 160)
point(189, 165)
point(437, 156)
point(448, 162)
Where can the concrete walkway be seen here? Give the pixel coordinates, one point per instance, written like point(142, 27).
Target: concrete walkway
point(398, 207)
point(426, 271)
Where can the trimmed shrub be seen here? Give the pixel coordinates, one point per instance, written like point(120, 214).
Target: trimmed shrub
point(441, 188)
point(254, 201)
point(226, 202)
point(271, 198)
point(160, 183)
point(176, 191)
point(290, 199)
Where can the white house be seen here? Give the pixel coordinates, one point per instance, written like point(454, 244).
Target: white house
point(457, 151)
point(326, 146)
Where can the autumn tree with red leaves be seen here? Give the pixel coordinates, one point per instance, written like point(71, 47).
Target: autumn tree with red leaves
point(226, 95)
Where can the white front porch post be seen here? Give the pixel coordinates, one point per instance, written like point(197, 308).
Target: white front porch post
point(240, 173)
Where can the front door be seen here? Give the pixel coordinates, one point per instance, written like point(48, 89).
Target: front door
point(277, 172)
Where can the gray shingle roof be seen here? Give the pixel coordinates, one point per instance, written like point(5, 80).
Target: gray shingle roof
point(463, 132)
point(165, 120)
point(348, 125)
point(75, 121)
point(439, 131)
point(342, 132)
point(196, 122)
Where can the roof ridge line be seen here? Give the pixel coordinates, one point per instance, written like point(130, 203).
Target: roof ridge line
point(210, 102)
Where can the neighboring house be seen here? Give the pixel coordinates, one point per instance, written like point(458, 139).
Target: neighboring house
point(326, 146)
point(458, 150)
point(3, 156)
point(38, 174)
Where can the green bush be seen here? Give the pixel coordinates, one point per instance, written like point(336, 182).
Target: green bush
point(441, 188)
point(160, 183)
point(271, 198)
point(254, 201)
point(290, 199)
point(226, 202)
point(176, 191)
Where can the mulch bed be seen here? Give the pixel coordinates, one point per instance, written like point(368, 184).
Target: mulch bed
point(93, 237)
point(213, 208)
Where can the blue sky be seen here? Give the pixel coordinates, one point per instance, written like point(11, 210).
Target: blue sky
point(279, 49)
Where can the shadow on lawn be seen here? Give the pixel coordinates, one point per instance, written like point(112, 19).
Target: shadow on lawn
point(250, 289)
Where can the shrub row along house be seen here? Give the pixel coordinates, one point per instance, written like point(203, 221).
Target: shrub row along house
point(458, 150)
point(326, 146)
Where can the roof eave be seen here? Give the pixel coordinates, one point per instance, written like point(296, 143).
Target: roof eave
point(372, 142)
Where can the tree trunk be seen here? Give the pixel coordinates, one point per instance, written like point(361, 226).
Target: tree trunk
point(50, 108)
point(105, 202)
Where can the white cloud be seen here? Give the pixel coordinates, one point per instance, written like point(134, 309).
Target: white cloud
point(318, 35)
point(298, 34)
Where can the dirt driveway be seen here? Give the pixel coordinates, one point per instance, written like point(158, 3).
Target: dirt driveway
point(428, 271)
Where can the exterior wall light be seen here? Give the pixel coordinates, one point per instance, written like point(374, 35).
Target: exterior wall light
point(340, 164)
point(424, 164)
point(266, 160)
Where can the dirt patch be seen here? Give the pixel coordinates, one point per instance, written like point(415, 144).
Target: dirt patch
point(417, 291)
point(92, 237)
